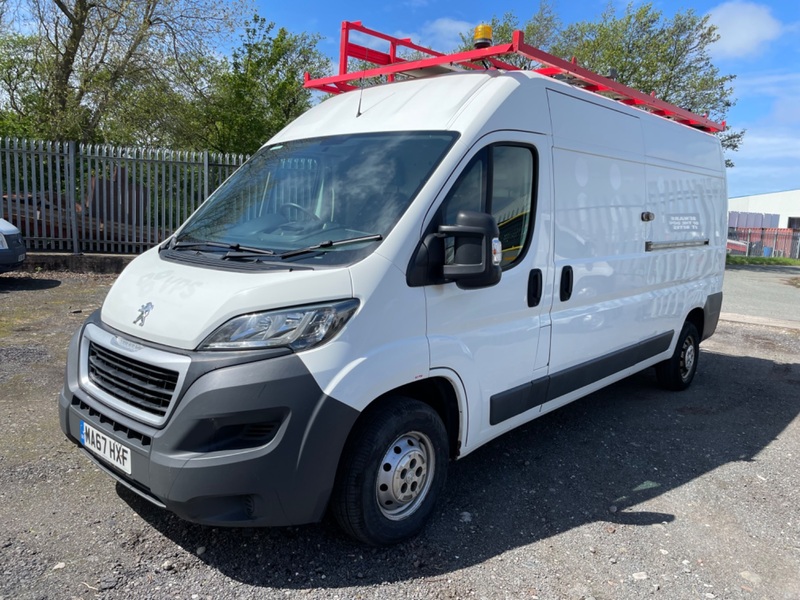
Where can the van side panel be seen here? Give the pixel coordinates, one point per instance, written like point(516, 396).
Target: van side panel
point(687, 208)
point(593, 128)
point(687, 195)
point(682, 146)
point(599, 181)
point(640, 221)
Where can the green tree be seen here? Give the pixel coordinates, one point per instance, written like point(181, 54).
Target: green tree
point(645, 51)
point(651, 53)
point(19, 95)
point(163, 111)
point(262, 88)
point(541, 31)
point(142, 72)
point(86, 55)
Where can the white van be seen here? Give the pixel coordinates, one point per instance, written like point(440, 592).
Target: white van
point(398, 277)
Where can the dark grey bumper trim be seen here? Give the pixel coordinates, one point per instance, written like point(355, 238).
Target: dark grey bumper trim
point(135, 489)
point(712, 311)
point(253, 443)
point(513, 402)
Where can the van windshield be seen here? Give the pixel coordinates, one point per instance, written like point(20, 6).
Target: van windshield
point(328, 199)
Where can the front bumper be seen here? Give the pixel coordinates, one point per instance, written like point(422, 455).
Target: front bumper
point(253, 443)
point(12, 257)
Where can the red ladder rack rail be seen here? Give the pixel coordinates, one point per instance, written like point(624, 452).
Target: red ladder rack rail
point(390, 64)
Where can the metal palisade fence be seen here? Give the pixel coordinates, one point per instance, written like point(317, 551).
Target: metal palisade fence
point(72, 197)
point(766, 241)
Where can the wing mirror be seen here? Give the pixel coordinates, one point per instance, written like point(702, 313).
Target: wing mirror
point(472, 260)
point(476, 251)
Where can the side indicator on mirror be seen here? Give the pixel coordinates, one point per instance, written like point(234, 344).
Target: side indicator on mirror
point(497, 252)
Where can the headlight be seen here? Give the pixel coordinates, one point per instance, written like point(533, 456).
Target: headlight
point(296, 328)
point(3, 243)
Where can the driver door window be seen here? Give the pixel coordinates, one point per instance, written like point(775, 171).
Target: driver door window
point(499, 180)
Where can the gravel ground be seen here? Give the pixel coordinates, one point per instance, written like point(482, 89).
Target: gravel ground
point(630, 493)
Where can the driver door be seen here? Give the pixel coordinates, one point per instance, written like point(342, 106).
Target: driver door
point(496, 340)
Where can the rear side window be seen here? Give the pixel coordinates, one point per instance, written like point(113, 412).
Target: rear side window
point(499, 180)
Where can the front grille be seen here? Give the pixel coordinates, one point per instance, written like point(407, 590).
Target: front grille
point(143, 386)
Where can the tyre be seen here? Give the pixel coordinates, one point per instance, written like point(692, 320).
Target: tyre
point(392, 470)
point(676, 373)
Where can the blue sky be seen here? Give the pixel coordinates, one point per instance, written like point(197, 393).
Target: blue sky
point(760, 44)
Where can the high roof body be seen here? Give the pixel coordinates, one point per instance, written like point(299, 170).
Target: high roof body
point(478, 102)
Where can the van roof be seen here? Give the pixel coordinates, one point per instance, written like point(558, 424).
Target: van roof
point(431, 103)
point(474, 103)
point(466, 102)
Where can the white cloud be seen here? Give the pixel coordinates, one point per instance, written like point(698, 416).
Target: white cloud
point(775, 84)
point(442, 34)
point(769, 146)
point(369, 41)
point(445, 33)
point(774, 93)
point(745, 28)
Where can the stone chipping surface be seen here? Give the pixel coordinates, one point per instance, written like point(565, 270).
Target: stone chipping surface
point(630, 493)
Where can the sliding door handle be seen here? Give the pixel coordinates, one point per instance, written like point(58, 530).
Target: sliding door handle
point(566, 284)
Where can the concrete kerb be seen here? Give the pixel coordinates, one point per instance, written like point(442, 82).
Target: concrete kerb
point(762, 321)
point(76, 263)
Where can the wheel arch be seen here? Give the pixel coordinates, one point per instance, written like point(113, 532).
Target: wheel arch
point(436, 392)
point(440, 395)
point(697, 317)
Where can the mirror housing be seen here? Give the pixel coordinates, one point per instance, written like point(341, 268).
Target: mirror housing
point(477, 251)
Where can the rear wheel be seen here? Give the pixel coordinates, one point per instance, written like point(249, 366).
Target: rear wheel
point(677, 372)
point(392, 471)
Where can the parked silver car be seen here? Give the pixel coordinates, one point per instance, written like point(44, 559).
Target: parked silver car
point(12, 248)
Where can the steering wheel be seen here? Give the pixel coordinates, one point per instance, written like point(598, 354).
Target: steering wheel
point(302, 209)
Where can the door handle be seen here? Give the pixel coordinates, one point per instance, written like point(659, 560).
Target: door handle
point(566, 284)
point(534, 288)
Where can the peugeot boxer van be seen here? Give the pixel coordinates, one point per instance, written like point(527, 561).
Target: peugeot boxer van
point(401, 275)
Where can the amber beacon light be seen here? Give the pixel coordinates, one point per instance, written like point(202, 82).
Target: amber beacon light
point(483, 36)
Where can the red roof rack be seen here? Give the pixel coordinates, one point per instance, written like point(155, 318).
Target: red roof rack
point(390, 64)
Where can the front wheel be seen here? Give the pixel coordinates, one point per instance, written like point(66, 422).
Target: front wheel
point(392, 471)
point(676, 373)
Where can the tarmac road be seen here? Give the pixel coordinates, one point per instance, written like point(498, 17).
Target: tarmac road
point(630, 493)
point(762, 293)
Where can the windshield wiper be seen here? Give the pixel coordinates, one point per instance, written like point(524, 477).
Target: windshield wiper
point(234, 250)
point(331, 243)
point(246, 253)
